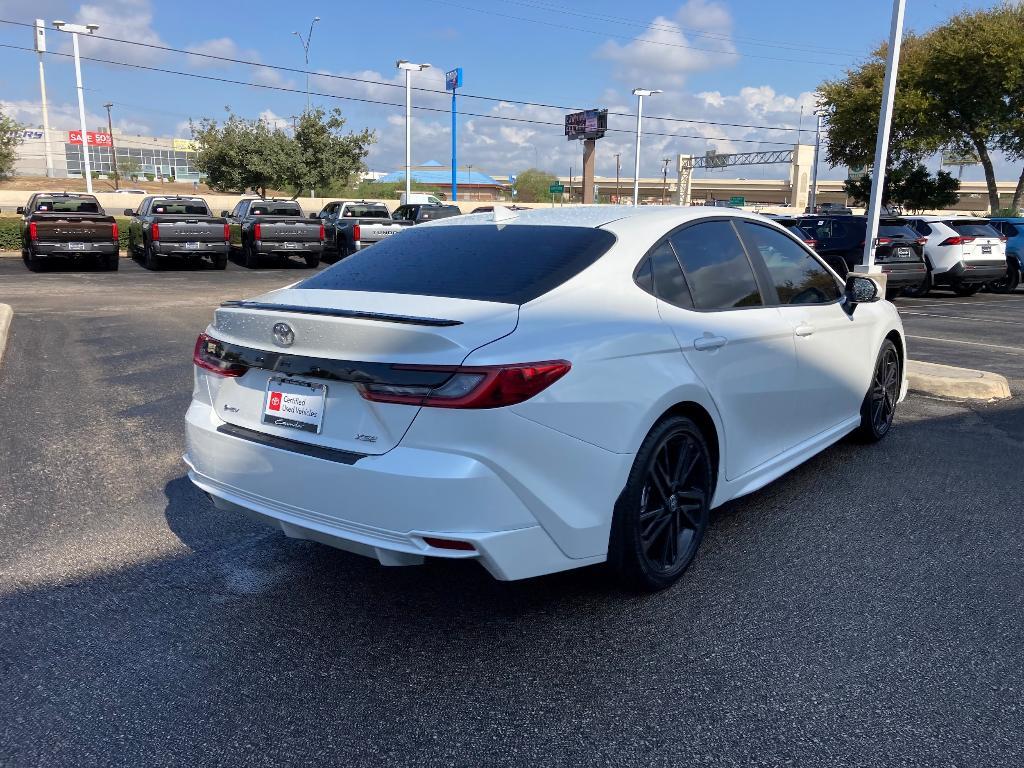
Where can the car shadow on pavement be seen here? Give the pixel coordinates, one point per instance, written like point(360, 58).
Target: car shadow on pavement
point(272, 262)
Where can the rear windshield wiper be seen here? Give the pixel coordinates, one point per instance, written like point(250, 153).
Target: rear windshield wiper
point(330, 312)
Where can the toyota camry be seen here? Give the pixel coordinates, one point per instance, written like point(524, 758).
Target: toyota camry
point(540, 390)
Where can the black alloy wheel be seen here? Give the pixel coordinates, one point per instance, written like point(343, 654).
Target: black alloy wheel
point(1009, 283)
point(663, 513)
point(921, 290)
point(879, 405)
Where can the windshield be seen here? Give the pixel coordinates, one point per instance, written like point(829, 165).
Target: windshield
point(67, 205)
point(276, 209)
point(365, 212)
point(972, 228)
point(508, 264)
point(188, 207)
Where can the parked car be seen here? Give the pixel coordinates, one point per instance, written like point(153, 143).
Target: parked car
point(792, 224)
point(419, 212)
point(490, 208)
point(261, 228)
point(831, 209)
point(1013, 230)
point(177, 227)
point(899, 253)
point(624, 372)
point(68, 225)
point(962, 253)
point(419, 198)
point(351, 225)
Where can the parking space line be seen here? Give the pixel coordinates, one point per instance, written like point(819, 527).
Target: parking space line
point(981, 303)
point(970, 343)
point(961, 317)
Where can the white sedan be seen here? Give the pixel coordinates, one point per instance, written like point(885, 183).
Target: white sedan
point(540, 390)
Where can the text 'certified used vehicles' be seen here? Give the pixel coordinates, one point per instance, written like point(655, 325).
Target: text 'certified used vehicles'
point(540, 391)
point(260, 229)
point(961, 253)
point(175, 227)
point(57, 225)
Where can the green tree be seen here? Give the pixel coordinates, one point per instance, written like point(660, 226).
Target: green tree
point(128, 167)
point(532, 186)
point(244, 154)
point(910, 186)
point(10, 138)
point(326, 155)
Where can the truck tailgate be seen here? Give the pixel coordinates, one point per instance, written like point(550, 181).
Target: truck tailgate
point(69, 228)
point(289, 230)
point(177, 230)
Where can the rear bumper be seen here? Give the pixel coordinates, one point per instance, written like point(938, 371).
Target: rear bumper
point(904, 274)
point(264, 248)
point(180, 249)
point(381, 506)
point(98, 248)
point(975, 271)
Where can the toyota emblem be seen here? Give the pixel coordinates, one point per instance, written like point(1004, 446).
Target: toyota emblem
point(284, 336)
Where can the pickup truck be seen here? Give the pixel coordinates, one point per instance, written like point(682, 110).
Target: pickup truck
point(179, 227)
point(278, 228)
point(61, 224)
point(351, 225)
point(417, 213)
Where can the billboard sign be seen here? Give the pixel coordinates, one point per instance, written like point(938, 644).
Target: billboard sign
point(184, 145)
point(589, 124)
point(957, 158)
point(453, 79)
point(95, 138)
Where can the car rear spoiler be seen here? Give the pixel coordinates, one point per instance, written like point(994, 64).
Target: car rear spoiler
point(330, 312)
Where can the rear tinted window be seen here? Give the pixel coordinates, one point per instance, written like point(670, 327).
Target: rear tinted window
point(716, 266)
point(69, 205)
point(275, 209)
point(194, 207)
point(511, 264)
point(902, 231)
point(972, 228)
point(365, 212)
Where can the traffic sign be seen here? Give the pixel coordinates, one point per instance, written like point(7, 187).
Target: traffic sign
point(556, 189)
point(737, 200)
point(511, 179)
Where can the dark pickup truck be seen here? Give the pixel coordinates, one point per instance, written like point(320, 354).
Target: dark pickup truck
point(60, 224)
point(351, 225)
point(178, 227)
point(274, 228)
point(417, 213)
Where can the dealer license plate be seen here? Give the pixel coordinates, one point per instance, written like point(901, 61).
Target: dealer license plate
point(290, 245)
point(295, 404)
point(986, 249)
point(76, 246)
point(191, 246)
point(903, 253)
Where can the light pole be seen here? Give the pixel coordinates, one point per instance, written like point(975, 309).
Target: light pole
point(639, 93)
point(408, 67)
point(813, 201)
point(618, 170)
point(305, 51)
point(75, 30)
point(664, 177)
point(40, 43)
point(113, 151)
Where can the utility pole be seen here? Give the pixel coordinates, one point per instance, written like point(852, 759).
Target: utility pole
point(814, 169)
point(639, 93)
point(469, 173)
point(113, 151)
point(618, 167)
point(664, 178)
point(40, 43)
point(408, 67)
point(75, 30)
point(570, 184)
point(800, 125)
point(305, 50)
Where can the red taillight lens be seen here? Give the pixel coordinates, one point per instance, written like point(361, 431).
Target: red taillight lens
point(113, 232)
point(322, 233)
point(473, 386)
point(257, 232)
point(883, 240)
point(957, 240)
point(33, 231)
point(227, 232)
point(210, 354)
point(922, 240)
point(154, 231)
point(811, 243)
point(356, 233)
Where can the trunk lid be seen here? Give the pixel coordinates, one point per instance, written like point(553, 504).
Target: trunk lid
point(340, 339)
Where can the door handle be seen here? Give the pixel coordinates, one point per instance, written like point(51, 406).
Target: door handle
point(706, 343)
point(804, 330)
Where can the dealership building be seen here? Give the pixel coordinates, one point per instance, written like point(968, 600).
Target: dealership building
point(159, 157)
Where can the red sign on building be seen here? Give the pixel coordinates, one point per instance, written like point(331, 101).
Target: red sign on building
point(96, 139)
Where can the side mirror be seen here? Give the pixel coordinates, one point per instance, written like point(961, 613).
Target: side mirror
point(860, 290)
point(21, 210)
point(129, 212)
point(225, 214)
point(314, 215)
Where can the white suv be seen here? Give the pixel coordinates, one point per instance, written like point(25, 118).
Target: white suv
point(962, 253)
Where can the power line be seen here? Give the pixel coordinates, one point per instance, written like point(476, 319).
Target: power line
point(379, 102)
point(383, 83)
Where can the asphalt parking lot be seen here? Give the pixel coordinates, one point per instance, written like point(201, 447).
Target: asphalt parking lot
point(867, 609)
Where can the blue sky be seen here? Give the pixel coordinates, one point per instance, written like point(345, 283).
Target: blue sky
point(731, 61)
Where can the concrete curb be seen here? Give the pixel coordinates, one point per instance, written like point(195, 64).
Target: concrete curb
point(6, 313)
point(956, 383)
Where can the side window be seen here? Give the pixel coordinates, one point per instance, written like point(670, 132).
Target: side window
point(798, 277)
point(922, 227)
point(717, 270)
point(820, 228)
point(401, 213)
point(1010, 230)
point(664, 278)
point(840, 231)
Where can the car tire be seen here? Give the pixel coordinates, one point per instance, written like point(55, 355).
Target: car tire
point(966, 290)
point(33, 262)
point(879, 406)
point(112, 262)
point(220, 261)
point(661, 515)
point(252, 259)
point(922, 290)
point(150, 260)
point(893, 292)
point(1009, 283)
point(313, 260)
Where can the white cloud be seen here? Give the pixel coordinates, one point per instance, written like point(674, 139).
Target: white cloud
point(124, 20)
point(220, 46)
point(64, 116)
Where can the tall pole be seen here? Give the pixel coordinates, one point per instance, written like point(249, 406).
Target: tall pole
point(884, 123)
point(639, 93)
point(618, 167)
point(570, 184)
point(305, 52)
point(800, 125)
point(664, 178)
point(81, 115)
point(40, 42)
point(408, 67)
point(455, 161)
point(113, 150)
point(814, 168)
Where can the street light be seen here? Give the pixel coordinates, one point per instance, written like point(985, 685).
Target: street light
point(305, 50)
point(113, 150)
point(639, 93)
point(75, 30)
point(408, 67)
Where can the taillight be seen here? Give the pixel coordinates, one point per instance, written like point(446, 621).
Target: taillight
point(1003, 239)
point(811, 243)
point(883, 240)
point(957, 240)
point(322, 233)
point(113, 232)
point(356, 233)
point(257, 232)
point(154, 231)
point(210, 355)
point(491, 386)
point(33, 231)
point(227, 232)
point(921, 240)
